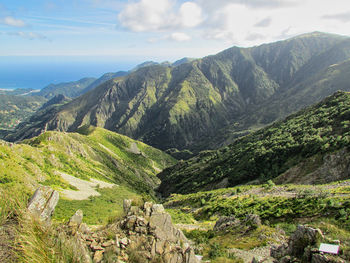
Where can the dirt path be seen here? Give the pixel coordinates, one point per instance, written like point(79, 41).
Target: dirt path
point(85, 188)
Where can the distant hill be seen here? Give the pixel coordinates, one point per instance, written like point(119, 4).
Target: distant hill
point(311, 146)
point(69, 89)
point(207, 103)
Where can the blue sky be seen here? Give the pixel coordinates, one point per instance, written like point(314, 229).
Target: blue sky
point(159, 29)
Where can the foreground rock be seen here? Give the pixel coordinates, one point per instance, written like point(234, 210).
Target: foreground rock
point(145, 234)
point(43, 203)
point(302, 247)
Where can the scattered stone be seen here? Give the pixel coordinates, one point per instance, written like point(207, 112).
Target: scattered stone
point(108, 243)
point(43, 203)
point(225, 222)
point(257, 259)
point(98, 256)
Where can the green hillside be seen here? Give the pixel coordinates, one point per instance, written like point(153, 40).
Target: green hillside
point(307, 136)
point(180, 107)
point(69, 89)
point(16, 108)
point(93, 153)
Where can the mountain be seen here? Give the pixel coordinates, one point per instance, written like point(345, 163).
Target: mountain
point(187, 106)
point(311, 146)
point(56, 100)
point(69, 89)
point(182, 61)
point(105, 77)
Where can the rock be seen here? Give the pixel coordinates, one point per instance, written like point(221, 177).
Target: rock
point(96, 247)
point(300, 245)
point(148, 232)
point(257, 259)
point(148, 208)
point(107, 243)
point(252, 220)
point(318, 258)
point(83, 228)
point(98, 256)
point(76, 219)
point(126, 205)
point(278, 251)
point(303, 237)
point(124, 241)
point(43, 203)
point(157, 209)
point(225, 222)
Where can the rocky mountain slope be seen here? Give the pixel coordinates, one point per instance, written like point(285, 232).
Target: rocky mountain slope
point(311, 146)
point(180, 107)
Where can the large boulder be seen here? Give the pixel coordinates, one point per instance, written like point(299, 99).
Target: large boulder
point(43, 203)
point(300, 245)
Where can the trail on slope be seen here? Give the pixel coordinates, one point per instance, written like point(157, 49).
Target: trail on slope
point(85, 188)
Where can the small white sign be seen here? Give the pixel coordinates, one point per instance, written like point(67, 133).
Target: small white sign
point(329, 248)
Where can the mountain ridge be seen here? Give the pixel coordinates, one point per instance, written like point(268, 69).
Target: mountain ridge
point(178, 107)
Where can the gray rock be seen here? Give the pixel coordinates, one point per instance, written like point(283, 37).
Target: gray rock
point(76, 219)
point(43, 203)
point(257, 259)
point(225, 222)
point(126, 205)
point(252, 220)
point(157, 208)
point(303, 237)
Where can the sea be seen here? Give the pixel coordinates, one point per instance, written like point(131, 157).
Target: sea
point(38, 72)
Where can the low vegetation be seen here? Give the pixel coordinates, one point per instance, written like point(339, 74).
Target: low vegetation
point(281, 208)
point(267, 153)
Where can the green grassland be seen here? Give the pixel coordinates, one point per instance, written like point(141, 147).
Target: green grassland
point(92, 153)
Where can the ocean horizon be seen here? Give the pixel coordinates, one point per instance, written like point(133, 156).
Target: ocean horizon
point(39, 72)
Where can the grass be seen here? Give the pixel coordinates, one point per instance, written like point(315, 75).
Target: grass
point(97, 210)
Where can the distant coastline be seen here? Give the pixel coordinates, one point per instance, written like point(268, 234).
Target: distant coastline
point(37, 73)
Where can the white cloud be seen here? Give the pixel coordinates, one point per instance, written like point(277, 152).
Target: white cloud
point(180, 37)
point(159, 15)
point(146, 15)
point(190, 14)
point(11, 21)
point(28, 35)
point(236, 22)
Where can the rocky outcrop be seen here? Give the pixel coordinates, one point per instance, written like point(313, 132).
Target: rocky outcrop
point(150, 230)
point(301, 247)
point(43, 203)
point(145, 234)
point(226, 222)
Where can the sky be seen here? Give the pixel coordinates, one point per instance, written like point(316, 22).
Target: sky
point(159, 30)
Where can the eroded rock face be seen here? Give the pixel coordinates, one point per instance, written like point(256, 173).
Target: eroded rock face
point(300, 245)
point(43, 203)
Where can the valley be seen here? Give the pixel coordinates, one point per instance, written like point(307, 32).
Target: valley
point(245, 151)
